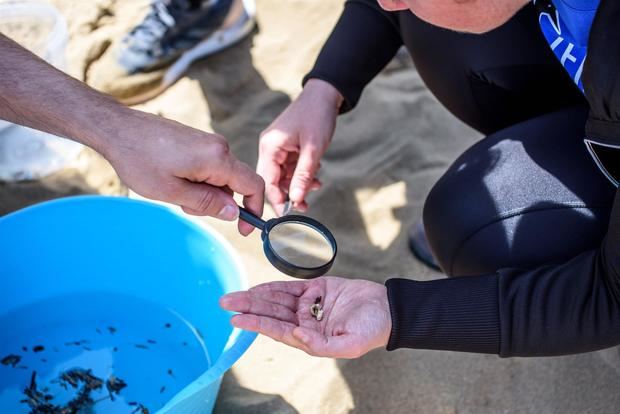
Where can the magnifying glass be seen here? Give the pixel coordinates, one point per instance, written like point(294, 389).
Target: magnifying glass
point(296, 245)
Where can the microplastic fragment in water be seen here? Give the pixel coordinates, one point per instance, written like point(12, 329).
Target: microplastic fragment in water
point(199, 333)
point(76, 343)
point(79, 375)
point(11, 360)
point(81, 380)
point(114, 386)
point(141, 409)
point(37, 400)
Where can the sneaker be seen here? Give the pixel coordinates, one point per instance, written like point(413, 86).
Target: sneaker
point(418, 244)
point(173, 35)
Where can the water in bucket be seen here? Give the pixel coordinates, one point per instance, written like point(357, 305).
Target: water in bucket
point(150, 348)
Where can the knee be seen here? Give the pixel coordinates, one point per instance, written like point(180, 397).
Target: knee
point(469, 235)
point(513, 200)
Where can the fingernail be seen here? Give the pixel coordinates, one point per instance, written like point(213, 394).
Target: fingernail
point(296, 194)
point(228, 213)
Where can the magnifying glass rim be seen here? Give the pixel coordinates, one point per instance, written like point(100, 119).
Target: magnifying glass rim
point(284, 266)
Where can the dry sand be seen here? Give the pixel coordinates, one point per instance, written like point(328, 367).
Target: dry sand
point(384, 159)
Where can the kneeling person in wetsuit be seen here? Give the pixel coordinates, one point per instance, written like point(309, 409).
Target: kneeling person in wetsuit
point(525, 212)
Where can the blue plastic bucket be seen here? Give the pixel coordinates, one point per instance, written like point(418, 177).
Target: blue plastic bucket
point(125, 288)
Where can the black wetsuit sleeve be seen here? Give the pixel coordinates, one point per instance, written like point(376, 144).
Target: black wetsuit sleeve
point(552, 310)
point(364, 40)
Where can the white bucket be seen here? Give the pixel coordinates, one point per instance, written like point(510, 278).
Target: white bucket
point(27, 154)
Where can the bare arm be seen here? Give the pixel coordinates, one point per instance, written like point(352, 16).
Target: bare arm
point(34, 94)
point(155, 157)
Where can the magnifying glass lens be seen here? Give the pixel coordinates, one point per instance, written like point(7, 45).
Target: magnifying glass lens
point(296, 245)
point(300, 244)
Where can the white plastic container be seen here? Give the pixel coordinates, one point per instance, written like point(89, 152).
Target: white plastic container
point(27, 154)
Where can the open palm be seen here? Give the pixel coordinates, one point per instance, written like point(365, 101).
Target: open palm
point(356, 316)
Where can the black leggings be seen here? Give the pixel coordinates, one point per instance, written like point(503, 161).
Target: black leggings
point(528, 193)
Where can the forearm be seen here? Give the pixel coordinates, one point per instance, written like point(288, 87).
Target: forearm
point(364, 40)
point(37, 95)
point(459, 314)
point(322, 93)
point(560, 309)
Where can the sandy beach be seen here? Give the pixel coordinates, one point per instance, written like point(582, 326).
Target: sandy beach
point(384, 159)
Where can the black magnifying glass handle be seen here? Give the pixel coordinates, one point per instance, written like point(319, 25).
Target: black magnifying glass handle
point(254, 220)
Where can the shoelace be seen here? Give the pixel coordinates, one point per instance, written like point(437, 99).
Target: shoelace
point(146, 36)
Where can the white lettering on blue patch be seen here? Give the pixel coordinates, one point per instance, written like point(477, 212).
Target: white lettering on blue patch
point(570, 54)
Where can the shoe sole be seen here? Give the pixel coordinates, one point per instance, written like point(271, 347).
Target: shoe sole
point(218, 41)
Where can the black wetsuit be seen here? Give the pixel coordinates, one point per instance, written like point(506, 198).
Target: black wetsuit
point(524, 213)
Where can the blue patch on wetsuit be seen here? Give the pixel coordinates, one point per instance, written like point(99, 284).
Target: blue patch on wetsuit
point(566, 26)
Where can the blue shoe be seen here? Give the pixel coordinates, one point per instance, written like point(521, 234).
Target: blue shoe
point(173, 35)
point(418, 244)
